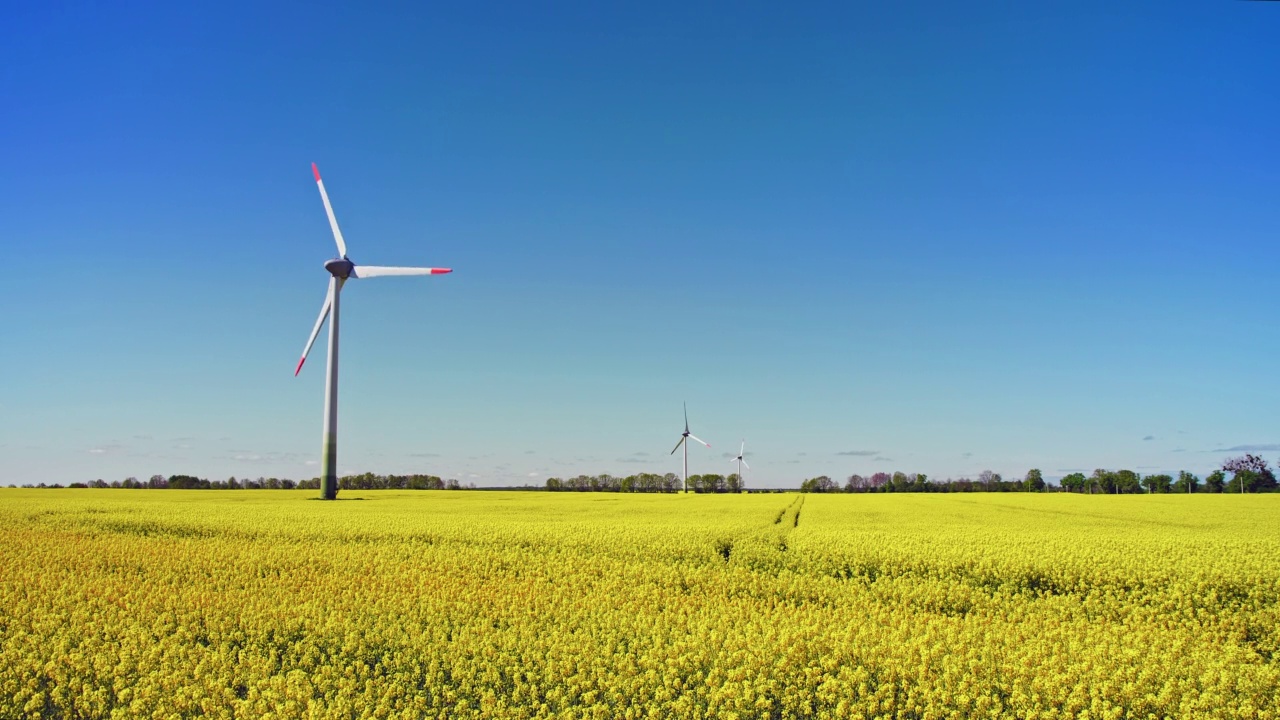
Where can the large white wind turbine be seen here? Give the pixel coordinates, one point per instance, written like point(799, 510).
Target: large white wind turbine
point(741, 463)
point(341, 269)
point(684, 441)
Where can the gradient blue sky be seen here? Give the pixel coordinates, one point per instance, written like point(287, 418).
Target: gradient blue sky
point(928, 236)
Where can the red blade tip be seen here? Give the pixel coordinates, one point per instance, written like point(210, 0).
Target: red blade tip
point(299, 368)
point(315, 170)
point(441, 271)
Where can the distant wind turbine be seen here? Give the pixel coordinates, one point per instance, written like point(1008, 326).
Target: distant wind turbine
point(741, 463)
point(684, 441)
point(341, 269)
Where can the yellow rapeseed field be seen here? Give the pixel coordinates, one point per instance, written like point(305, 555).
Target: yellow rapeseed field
point(256, 604)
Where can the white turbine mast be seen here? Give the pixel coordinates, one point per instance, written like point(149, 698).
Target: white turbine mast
point(340, 270)
point(684, 442)
point(741, 463)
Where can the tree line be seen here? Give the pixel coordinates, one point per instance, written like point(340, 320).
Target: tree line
point(365, 481)
point(646, 482)
point(987, 481)
point(1247, 474)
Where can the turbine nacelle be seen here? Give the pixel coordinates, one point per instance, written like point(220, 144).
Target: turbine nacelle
point(340, 267)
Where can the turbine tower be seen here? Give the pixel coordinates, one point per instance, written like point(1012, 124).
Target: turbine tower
point(684, 440)
point(741, 463)
point(341, 269)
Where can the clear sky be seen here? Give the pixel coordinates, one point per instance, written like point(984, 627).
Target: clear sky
point(925, 236)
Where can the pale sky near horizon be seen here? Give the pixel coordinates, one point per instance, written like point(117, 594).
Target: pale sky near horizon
point(920, 236)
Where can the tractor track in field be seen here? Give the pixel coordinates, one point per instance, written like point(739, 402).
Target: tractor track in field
point(774, 534)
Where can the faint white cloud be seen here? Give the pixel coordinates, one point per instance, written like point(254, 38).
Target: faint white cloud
point(534, 474)
point(1264, 447)
point(858, 453)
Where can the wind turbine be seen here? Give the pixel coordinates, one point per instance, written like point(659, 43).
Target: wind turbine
point(741, 463)
point(684, 440)
point(341, 269)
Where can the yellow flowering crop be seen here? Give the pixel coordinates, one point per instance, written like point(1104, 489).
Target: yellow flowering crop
point(257, 604)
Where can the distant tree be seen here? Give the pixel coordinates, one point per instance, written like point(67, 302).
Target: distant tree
point(1186, 483)
point(157, 481)
point(1250, 474)
point(1128, 481)
point(1215, 481)
point(856, 483)
point(1075, 482)
point(707, 483)
point(182, 482)
point(452, 484)
point(733, 483)
point(1034, 481)
point(820, 484)
point(431, 482)
point(1157, 483)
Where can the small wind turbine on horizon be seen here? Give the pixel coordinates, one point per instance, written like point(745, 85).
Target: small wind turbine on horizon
point(741, 463)
point(684, 441)
point(340, 270)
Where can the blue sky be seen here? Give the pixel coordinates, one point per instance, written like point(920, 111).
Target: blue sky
point(928, 236)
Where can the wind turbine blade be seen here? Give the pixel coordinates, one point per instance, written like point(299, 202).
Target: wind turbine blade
point(368, 271)
point(333, 221)
point(677, 447)
point(324, 313)
point(745, 465)
point(742, 450)
point(686, 417)
point(695, 437)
